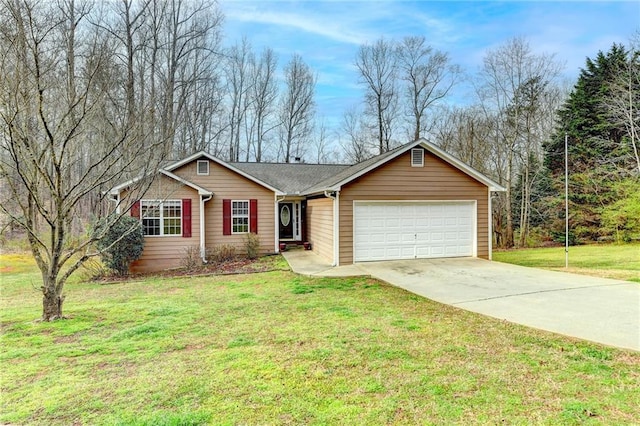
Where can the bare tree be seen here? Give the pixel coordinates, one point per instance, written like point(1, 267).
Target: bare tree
point(357, 147)
point(623, 100)
point(377, 67)
point(263, 93)
point(297, 108)
point(505, 73)
point(239, 84)
point(428, 76)
point(43, 138)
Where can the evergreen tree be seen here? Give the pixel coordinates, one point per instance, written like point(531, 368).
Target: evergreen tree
point(598, 150)
point(593, 138)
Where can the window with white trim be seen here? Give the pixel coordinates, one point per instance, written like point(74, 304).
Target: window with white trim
point(239, 217)
point(203, 167)
point(161, 218)
point(417, 157)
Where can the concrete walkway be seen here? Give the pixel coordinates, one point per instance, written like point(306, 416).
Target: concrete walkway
point(596, 309)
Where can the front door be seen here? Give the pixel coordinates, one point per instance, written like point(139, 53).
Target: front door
point(286, 220)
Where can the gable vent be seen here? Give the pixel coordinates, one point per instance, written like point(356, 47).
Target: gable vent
point(417, 157)
point(203, 167)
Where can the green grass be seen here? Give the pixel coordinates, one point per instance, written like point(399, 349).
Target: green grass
point(277, 348)
point(601, 260)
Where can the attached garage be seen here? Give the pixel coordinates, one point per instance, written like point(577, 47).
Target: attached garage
point(393, 230)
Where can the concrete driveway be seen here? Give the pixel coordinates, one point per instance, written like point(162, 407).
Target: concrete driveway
point(596, 309)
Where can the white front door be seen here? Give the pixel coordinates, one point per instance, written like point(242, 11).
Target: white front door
point(409, 230)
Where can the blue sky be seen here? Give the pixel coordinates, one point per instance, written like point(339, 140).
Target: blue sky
point(327, 34)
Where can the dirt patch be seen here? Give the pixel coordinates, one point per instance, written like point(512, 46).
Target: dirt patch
point(230, 267)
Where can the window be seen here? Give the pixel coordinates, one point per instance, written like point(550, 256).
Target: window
point(203, 167)
point(239, 217)
point(161, 217)
point(417, 157)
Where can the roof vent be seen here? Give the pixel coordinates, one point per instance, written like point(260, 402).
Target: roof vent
point(417, 157)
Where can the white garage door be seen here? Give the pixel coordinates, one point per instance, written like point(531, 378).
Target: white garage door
point(409, 230)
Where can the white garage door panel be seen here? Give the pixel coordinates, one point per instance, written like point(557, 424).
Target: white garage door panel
point(407, 230)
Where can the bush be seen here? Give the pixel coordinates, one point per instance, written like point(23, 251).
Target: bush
point(252, 245)
point(122, 242)
point(621, 219)
point(191, 259)
point(221, 253)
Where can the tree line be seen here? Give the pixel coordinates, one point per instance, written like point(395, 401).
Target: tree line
point(96, 93)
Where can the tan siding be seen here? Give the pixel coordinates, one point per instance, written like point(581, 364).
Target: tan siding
point(320, 226)
point(226, 184)
point(397, 180)
point(167, 252)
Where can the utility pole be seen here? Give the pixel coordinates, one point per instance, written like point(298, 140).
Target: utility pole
point(566, 202)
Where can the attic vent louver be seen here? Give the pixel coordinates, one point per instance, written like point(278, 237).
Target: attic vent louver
point(417, 157)
point(203, 167)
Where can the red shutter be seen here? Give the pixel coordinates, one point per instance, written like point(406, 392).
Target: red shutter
point(135, 209)
point(186, 218)
point(226, 217)
point(253, 216)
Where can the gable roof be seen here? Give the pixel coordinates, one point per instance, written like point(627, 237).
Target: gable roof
point(310, 179)
point(334, 183)
point(201, 191)
point(229, 166)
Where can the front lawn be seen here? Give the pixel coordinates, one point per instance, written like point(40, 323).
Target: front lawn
point(277, 348)
point(601, 260)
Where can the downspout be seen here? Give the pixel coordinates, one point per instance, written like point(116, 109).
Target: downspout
point(116, 199)
point(336, 225)
point(203, 247)
point(490, 226)
point(276, 233)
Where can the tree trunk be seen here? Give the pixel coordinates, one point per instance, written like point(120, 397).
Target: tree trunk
point(52, 300)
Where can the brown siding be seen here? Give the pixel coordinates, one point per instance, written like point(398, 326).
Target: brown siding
point(397, 180)
point(168, 252)
point(226, 184)
point(320, 226)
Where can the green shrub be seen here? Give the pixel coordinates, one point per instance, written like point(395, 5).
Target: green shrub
point(122, 242)
point(252, 245)
point(622, 218)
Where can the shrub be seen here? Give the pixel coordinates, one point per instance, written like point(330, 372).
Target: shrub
point(191, 259)
point(252, 245)
point(221, 253)
point(121, 244)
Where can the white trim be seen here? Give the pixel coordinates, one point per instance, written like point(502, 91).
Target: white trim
point(490, 227)
point(472, 202)
point(336, 229)
point(248, 216)
point(276, 221)
point(201, 190)
point(295, 218)
point(204, 173)
point(203, 246)
point(493, 186)
point(161, 218)
point(224, 164)
point(417, 152)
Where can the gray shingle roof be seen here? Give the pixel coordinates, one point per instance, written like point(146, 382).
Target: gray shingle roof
point(349, 171)
point(291, 178)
